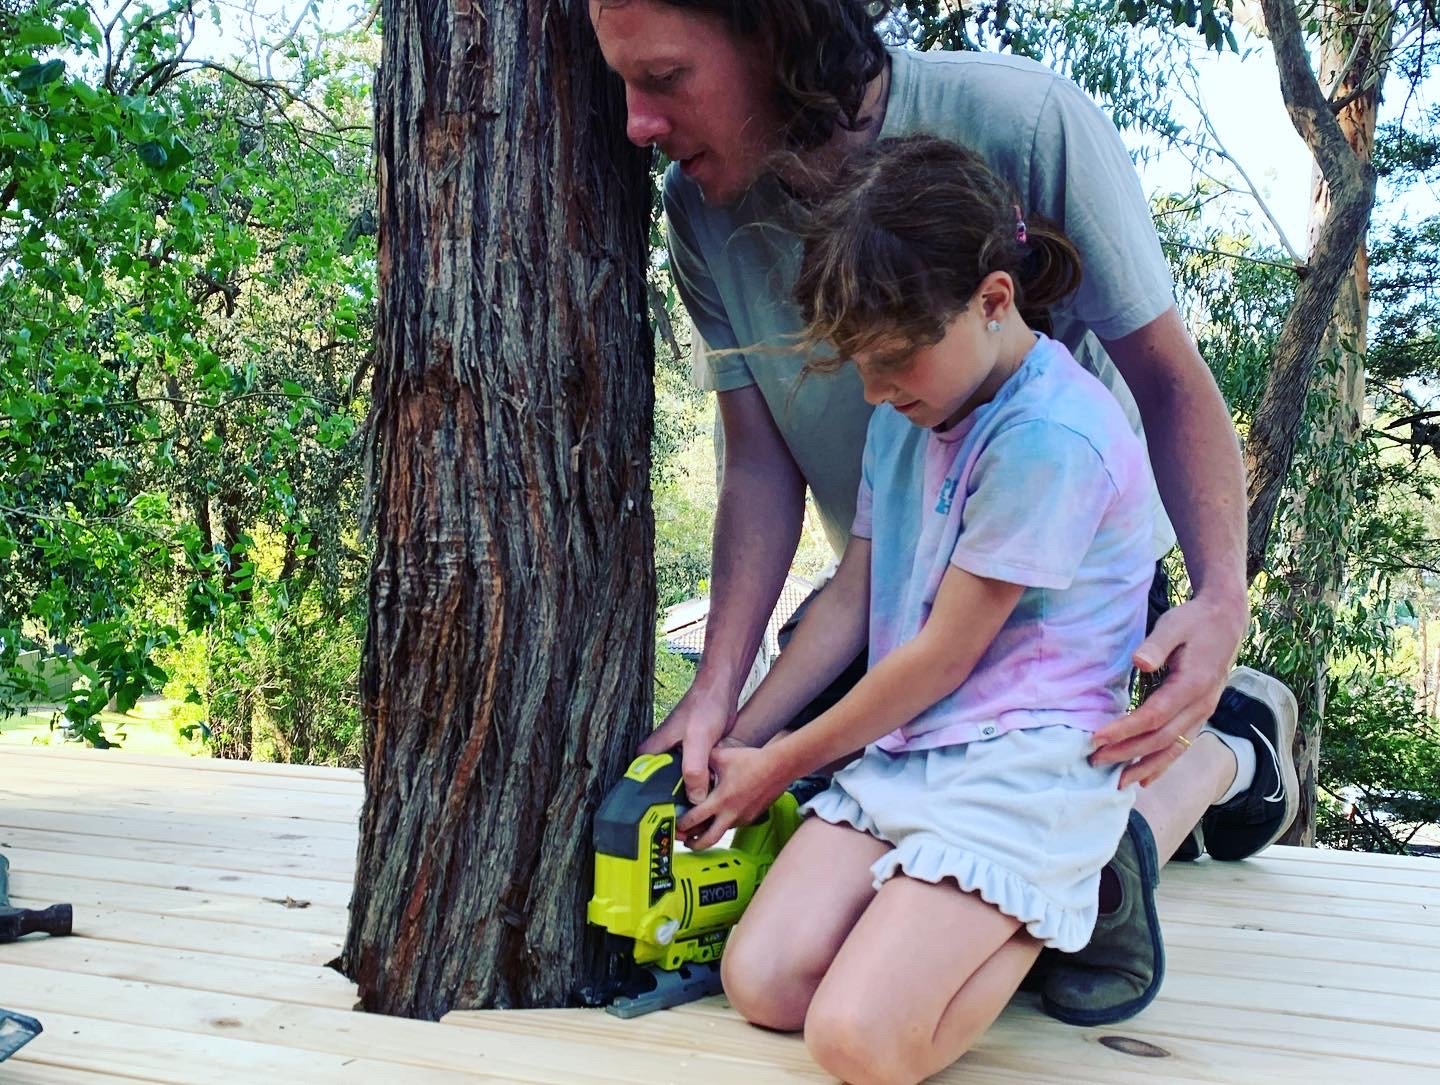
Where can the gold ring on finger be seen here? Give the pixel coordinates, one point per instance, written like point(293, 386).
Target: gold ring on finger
point(1183, 741)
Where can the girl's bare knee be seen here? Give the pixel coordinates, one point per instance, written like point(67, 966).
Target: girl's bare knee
point(859, 1047)
point(761, 992)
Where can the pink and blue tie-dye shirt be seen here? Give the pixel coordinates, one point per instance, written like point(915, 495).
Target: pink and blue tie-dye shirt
point(1046, 486)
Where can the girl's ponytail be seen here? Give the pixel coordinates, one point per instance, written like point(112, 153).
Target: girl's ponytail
point(898, 242)
point(1050, 271)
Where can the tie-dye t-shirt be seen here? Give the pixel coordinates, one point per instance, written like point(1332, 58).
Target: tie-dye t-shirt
point(1045, 486)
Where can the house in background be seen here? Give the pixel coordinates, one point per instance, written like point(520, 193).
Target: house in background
point(683, 629)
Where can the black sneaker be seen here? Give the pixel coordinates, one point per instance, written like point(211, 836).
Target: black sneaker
point(1257, 707)
point(1192, 847)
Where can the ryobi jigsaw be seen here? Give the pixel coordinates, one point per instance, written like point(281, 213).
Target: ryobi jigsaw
point(667, 909)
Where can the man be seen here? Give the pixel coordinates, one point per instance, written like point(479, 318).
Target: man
point(748, 100)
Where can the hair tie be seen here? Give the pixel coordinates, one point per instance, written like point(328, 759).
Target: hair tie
point(1021, 235)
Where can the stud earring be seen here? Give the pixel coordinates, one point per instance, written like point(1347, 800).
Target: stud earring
point(993, 326)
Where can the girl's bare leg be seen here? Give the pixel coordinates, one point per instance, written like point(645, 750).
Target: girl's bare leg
point(924, 972)
point(801, 914)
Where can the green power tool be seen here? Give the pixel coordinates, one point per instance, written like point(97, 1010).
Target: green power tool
point(669, 910)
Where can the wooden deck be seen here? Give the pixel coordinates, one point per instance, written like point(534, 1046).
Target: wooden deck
point(209, 896)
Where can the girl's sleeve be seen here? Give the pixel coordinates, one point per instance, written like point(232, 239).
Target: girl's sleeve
point(1038, 493)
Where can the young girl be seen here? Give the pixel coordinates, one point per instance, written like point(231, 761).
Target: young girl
point(998, 566)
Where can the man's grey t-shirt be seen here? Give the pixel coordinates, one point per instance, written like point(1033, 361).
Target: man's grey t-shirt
point(735, 267)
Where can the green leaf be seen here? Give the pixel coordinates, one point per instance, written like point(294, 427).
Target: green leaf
point(127, 696)
point(153, 154)
point(38, 34)
point(35, 76)
point(178, 154)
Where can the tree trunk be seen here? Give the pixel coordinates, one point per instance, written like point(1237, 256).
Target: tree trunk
point(1270, 445)
point(1355, 42)
point(508, 659)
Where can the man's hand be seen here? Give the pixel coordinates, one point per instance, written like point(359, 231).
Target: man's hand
point(747, 782)
point(1197, 642)
point(696, 724)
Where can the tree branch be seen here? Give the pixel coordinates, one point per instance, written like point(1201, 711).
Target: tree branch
point(224, 404)
point(1298, 269)
point(1343, 73)
point(1250, 185)
point(267, 87)
point(1270, 446)
point(305, 9)
point(1411, 418)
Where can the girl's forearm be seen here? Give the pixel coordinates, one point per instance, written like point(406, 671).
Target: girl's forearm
point(968, 612)
point(889, 696)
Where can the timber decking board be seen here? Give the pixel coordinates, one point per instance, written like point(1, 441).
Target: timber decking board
point(187, 820)
point(165, 901)
point(1283, 945)
point(204, 935)
point(158, 829)
point(188, 967)
point(198, 879)
point(283, 862)
point(268, 774)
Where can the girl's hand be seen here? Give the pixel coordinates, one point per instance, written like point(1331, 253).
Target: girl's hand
point(746, 783)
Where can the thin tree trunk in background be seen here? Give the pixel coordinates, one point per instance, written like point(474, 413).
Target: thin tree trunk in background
point(507, 666)
point(1352, 66)
point(1270, 444)
point(1427, 702)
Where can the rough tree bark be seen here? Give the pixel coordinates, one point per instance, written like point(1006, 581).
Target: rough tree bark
point(1348, 185)
point(506, 674)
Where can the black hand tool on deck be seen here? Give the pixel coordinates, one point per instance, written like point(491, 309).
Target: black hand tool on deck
point(18, 922)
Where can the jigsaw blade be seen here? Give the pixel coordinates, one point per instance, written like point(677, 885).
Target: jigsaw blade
point(685, 984)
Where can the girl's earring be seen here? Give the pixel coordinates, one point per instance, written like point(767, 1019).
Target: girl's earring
point(993, 326)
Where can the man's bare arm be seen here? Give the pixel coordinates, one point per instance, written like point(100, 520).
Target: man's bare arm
point(1197, 464)
point(757, 527)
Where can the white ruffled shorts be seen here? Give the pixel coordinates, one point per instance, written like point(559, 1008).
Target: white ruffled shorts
point(1023, 819)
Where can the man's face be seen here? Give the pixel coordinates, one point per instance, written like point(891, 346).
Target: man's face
point(692, 89)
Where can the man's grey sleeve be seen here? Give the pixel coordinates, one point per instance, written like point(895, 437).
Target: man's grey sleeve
point(717, 365)
point(1082, 178)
